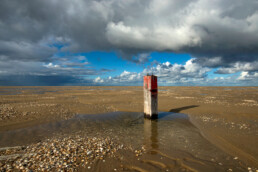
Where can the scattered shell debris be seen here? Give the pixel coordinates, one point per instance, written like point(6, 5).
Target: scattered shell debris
point(230, 125)
point(58, 154)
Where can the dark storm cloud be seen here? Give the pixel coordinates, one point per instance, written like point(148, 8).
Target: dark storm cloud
point(25, 51)
point(218, 33)
point(37, 73)
point(206, 28)
point(32, 80)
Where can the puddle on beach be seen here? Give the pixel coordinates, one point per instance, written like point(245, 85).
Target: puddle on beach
point(171, 143)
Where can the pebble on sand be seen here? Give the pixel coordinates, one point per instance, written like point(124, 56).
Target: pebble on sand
point(63, 153)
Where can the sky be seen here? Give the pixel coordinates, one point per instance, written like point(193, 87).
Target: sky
point(117, 42)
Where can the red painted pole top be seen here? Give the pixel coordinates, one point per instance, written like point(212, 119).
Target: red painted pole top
point(150, 82)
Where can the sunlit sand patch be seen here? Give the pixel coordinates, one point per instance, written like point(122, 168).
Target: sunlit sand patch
point(184, 97)
point(39, 105)
point(248, 103)
point(210, 97)
point(48, 97)
point(222, 121)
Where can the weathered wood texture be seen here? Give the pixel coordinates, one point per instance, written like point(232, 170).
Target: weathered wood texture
point(150, 88)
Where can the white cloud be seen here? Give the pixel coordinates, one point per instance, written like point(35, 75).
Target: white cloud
point(82, 58)
point(160, 37)
point(190, 73)
point(239, 66)
point(125, 78)
point(176, 73)
point(98, 80)
point(166, 72)
point(248, 76)
point(141, 58)
point(174, 25)
point(51, 65)
point(125, 73)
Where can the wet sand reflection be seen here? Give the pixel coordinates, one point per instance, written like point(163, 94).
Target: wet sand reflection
point(151, 141)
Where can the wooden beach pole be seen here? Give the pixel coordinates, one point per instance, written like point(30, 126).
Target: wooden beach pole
point(150, 87)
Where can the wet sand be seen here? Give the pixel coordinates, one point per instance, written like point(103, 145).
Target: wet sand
point(220, 132)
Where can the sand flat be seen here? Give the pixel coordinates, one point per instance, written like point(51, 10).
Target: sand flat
point(227, 117)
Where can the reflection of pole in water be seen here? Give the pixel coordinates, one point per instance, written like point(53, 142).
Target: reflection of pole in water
point(151, 135)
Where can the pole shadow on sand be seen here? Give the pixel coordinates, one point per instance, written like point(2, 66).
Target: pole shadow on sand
point(177, 110)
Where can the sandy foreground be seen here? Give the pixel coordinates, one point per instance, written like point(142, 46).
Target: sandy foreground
point(226, 116)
